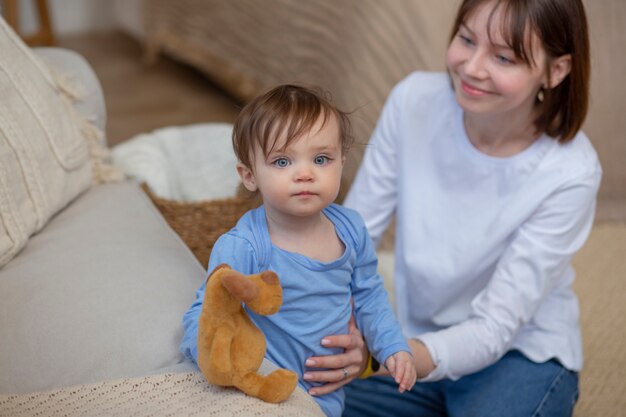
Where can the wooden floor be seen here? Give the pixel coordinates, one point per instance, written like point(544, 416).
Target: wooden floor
point(140, 97)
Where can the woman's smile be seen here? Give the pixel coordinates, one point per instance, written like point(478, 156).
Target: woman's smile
point(470, 90)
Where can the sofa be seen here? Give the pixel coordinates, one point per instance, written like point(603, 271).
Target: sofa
point(93, 281)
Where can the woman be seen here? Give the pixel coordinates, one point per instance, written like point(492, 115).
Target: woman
point(494, 188)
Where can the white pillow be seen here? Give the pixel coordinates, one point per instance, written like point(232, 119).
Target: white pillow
point(45, 145)
point(187, 163)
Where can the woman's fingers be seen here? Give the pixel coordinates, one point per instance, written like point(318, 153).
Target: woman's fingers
point(334, 362)
point(331, 375)
point(335, 379)
point(326, 388)
point(337, 370)
point(345, 341)
point(355, 352)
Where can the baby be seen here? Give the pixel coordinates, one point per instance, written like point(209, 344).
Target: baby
point(291, 143)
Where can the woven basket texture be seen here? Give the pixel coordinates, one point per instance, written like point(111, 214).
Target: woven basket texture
point(201, 223)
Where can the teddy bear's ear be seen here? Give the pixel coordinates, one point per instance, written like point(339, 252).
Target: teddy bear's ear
point(217, 268)
point(240, 286)
point(270, 278)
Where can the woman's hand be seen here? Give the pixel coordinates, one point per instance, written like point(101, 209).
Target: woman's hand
point(343, 367)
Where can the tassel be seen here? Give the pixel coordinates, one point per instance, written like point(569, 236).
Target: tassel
point(102, 170)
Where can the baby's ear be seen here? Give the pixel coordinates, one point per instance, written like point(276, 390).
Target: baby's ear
point(247, 177)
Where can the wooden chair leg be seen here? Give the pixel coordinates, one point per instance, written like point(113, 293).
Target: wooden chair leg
point(44, 36)
point(9, 8)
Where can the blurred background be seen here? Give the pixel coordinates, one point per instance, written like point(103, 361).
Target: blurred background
point(164, 62)
point(178, 62)
point(140, 96)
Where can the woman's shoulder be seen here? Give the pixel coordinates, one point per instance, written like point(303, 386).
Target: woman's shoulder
point(425, 82)
point(424, 89)
point(581, 144)
point(580, 154)
point(427, 78)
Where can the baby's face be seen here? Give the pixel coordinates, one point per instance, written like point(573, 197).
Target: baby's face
point(303, 178)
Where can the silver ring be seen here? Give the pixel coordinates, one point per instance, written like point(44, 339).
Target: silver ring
point(345, 373)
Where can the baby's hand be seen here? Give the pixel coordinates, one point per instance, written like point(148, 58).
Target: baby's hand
point(402, 367)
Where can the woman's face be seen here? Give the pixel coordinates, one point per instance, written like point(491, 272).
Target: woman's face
point(488, 79)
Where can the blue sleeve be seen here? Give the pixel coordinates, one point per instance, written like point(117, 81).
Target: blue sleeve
point(229, 249)
point(373, 313)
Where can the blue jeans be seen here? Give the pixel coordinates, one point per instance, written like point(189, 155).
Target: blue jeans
point(512, 387)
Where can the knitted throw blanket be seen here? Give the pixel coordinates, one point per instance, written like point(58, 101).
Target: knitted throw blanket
point(170, 394)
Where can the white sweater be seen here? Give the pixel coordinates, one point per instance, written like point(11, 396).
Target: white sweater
point(483, 244)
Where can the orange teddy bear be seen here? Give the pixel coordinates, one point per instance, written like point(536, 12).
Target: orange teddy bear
point(230, 347)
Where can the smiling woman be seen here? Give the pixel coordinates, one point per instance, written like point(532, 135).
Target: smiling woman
point(500, 78)
point(512, 56)
point(494, 189)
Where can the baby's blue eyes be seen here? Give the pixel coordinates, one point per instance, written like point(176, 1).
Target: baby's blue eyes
point(281, 162)
point(321, 160)
point(285, 162)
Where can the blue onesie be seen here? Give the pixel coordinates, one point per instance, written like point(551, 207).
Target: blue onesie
point(316, 296)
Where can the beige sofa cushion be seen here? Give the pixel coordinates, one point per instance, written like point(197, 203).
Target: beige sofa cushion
point(100, 293)
point(45, 145)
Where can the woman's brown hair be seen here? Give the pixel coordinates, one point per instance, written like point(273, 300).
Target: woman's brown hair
point(287, 111)
point(561, 26)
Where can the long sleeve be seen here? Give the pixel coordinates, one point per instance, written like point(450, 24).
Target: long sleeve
point(372, 310)
point(229, 249)
point(374, 190)
point(374, 316)
point(528, 272)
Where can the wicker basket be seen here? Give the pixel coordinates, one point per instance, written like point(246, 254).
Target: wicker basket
point(200, 223)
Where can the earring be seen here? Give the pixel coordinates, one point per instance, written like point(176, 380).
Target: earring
point(540, 95)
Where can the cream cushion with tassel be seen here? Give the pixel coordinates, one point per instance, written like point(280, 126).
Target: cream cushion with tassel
point(49, 154)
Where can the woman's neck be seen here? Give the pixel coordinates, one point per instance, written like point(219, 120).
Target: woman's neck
point(501, 136)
